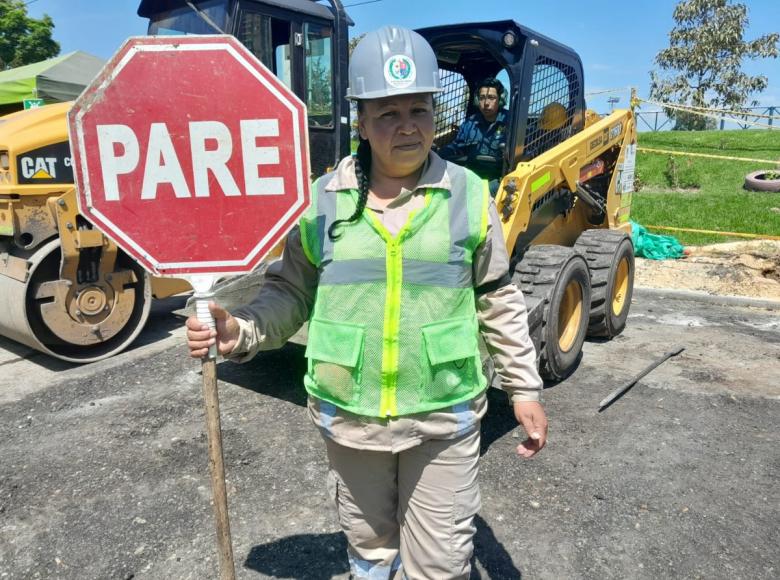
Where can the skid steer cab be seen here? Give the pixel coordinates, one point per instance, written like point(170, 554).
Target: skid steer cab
point(566, 177)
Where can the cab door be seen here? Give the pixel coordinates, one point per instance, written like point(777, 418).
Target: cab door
point(300, 50)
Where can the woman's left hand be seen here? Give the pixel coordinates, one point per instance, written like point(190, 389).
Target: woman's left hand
point(530, 414)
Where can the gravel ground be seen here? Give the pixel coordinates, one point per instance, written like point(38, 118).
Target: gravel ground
point(748, 269)
point(104, 467)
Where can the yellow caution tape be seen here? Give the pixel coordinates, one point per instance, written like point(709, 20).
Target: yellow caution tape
point(707, 155)
point(737, 234)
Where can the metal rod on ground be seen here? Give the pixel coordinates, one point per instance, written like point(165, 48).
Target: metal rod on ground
point(227, 569)
point(619, 392)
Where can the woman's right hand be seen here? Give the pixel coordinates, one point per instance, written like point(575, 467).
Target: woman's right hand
point(200, 337)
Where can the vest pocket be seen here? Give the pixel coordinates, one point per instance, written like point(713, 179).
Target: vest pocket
point(450, 355)
point(335, 357)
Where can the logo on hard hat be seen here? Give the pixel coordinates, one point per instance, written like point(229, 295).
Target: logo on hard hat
point(400, 71)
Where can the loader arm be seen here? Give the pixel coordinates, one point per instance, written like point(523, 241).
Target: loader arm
point(547, 199)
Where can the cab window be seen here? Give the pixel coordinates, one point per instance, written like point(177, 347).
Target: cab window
point(503, 77)
point(552, 105)
point(269, 40)
point(319, 74)
point(451, 106)
point(184, 20)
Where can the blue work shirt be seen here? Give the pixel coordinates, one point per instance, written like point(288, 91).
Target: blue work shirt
point(478, 137)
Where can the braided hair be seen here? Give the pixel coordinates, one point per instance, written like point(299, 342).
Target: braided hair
point(363, 174)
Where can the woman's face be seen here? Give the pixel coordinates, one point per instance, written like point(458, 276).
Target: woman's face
point(400, 130)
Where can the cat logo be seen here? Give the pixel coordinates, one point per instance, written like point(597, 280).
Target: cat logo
point(48, 164)
point(39, 167)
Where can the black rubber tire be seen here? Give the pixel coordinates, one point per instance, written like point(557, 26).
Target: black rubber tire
point(543, 275)
point(604, 250)
point(754, 183)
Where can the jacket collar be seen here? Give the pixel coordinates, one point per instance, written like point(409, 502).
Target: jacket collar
point(500, 118)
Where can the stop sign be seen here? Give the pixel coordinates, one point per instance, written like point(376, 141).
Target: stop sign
point(190, 155)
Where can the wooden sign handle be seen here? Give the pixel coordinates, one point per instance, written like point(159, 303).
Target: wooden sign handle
point(217, 469)
point(227, 569)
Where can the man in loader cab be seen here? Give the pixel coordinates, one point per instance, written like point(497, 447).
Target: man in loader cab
point(481, 139)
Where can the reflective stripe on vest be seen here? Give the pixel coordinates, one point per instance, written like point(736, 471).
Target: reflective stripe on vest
point(394, 330)
point(415, 272)
point(314, 232)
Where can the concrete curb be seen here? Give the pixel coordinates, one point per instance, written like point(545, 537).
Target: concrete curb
point(707, 298)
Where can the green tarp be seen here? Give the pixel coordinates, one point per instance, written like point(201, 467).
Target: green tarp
point(54, 80)
point(654, 246)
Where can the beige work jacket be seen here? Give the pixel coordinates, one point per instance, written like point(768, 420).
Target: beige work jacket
point(285, 302)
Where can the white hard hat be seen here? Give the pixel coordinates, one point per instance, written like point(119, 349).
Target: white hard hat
point(392, 61)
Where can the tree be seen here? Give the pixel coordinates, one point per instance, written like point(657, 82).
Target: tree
point(319, 100)
point(24, 40)
point(702, 67)
point(685, 121)
point(353, 42)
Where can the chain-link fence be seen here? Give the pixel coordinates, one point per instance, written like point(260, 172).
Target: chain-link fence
point(751, 118)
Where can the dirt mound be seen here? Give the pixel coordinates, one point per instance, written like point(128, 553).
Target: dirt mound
point(750, 269)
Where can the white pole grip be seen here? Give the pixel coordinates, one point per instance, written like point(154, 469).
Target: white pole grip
point(204, 315)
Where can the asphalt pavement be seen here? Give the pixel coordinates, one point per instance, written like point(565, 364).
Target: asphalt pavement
point(104, 471)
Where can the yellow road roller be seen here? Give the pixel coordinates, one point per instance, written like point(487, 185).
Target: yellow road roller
point(65, 289)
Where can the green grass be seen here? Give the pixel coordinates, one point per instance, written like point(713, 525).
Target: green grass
point(668, 196)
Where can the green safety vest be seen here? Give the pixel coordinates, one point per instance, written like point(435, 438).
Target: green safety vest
point(394, 328)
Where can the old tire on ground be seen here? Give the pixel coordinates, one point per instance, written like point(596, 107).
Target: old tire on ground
point(756, 181)
point(558, 277)
point(610, 257)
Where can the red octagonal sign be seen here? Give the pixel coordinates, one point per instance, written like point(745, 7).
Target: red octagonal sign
point(190, 155)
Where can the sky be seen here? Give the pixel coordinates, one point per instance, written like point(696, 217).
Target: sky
point(616, 40)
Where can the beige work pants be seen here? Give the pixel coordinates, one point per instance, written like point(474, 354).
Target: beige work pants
point(408, 514)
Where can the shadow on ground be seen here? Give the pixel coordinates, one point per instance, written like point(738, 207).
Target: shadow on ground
point(498, 421)
point(500, 418)
point(166, 315)
point(276, 373)
point(323, 556)
point(491, 555)
point(303, 557)
point(24, 352)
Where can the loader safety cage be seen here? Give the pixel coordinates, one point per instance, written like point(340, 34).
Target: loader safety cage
point(541, 73)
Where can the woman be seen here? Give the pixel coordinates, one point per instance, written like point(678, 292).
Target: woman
point(397, 266)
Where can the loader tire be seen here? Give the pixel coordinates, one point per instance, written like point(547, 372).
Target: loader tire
point(610, 257)
point(556, 279)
